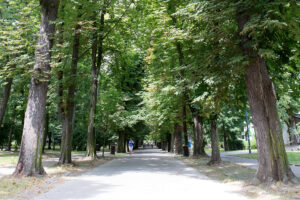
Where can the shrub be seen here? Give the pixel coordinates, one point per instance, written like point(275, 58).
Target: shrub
point(253, 144)
point(235, 144)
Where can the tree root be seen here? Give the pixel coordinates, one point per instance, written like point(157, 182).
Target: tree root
point(214, 162)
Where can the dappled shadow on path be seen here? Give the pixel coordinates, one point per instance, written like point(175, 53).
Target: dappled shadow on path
point(145, 172)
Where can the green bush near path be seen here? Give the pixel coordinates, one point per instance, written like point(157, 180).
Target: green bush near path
point(252, 142)
point(293, 157)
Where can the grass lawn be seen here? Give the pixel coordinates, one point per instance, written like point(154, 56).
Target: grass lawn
point(8, 158)
point(208, 150)
point(241, 177)
point(293, 157)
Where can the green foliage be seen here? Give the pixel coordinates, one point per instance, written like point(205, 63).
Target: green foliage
point(157, 55)
point(252, 142)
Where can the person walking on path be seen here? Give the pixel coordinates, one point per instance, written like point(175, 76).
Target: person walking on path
point(131, 145)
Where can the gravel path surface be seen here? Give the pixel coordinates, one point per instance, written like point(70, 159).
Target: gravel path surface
point(147, 174)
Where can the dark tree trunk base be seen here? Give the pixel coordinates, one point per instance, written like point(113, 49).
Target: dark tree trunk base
point(214, 162)
point(19, 172)
point(178, 139)
point(200, 156)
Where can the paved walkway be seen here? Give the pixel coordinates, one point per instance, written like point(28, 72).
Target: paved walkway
point(148, 174)
point(250, 163)
point(7, 170)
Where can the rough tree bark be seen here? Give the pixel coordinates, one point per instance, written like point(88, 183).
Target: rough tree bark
point(172, 142)
point(198, 134)
point(169, 138)
point(215, 154)
point(96, 65)
point(178, 139)
point(121, 143)
point(66, 148)
point(272, 159)
point(10, 137)
point(30, 159)
point(185, 134)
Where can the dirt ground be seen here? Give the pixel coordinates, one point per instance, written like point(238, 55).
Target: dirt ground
point(28, 187)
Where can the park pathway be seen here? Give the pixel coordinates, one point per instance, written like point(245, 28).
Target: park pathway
point(147, 174)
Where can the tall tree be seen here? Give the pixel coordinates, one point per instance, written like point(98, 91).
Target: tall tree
point(272, 159)
point(198, 149)
point(215, 154)
point(97, 57)
point(30, 158)
point(66, 148)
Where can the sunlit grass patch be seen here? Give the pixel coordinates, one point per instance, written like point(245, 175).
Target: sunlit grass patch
point(120, 154)
point(224, 172)
point(8, 158)
point(242, 177)
point(293, 157)
point(11, 185)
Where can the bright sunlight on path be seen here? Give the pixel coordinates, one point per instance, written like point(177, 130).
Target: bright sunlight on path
point(147, 174)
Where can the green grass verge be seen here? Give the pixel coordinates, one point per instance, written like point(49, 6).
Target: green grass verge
point(293, 157)
point(208, 150)
point(8, 158)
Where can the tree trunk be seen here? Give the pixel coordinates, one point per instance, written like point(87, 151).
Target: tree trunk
point(11, 129)
point(5, 97)
point(30, 159)
point(49, 140)
point(163, 145)
point(10, 137)
point(136, 144)
point(186, 140)
point(66, 148)
point(178, 139)
point(184, 98)
point(53, 143)
point(46, 130)
point(121, 143)
point(225, 139)
point(169, 137)
point(215, 154)
point(198, 134)
point(126, 144)
point(96, 64)
point(272, 159)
